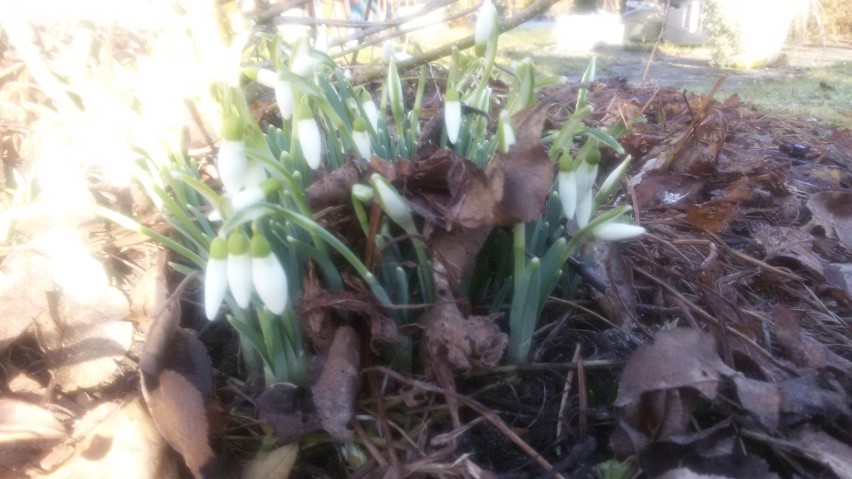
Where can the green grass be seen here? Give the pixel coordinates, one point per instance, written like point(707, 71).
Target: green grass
point(821, 93)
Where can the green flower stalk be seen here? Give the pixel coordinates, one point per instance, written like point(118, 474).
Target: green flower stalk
point(239, 268)
point(452, 115)
point(216, 277)
point(309, 136)
point(394, 87)
point(232, 160)
point(361, 138)
point(268, 276)
point(486, 27)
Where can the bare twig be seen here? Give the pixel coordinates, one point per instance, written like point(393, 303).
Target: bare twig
point(374, 73)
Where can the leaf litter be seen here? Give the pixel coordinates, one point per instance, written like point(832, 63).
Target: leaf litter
point(736, 354)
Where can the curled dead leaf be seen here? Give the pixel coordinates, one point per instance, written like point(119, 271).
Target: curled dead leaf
point(335, 391)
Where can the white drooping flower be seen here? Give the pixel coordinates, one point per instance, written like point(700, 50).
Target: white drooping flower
point(215, 277)
point(586, 175)
point(302, 63)
point(370, 109)
point(392, 203)
point(255, 174)
point(268, 276)
point(232, 160)
point(239, 268)
point(611, 182)
point(452, 115)
point(267, 78)
point(284, 98)
point(612, 231)
point(568, 193)
point(253, 195)
point(361, 138)
point(321, 40)
point(506, 132)
point(585, 201)
point(310, 140)
point(486, 25)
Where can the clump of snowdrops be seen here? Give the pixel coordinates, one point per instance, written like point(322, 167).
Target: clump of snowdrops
point(255, 238)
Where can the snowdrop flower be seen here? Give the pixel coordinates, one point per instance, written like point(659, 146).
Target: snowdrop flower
point(370, 109)
point(268, 275)
point(215, 277)
point(255, 174)
point(361, 138)
point(586, 174)
point(267, 78)
point(284, 98)
point(309, 136)
point(253, 195)
point(392, 203)
point(568, 192)
point(486, 26)
point(321, 40)
point(302, 63)
point(506, 132)
point(611, 182)
point(232, 160)
point(239, 268)
point(452, 115)
point(585, 202)
point(389, 53)
point(612, 231)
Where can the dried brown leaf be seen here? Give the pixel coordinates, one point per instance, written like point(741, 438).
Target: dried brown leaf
point(177, 381)
point(515, 185)
point(833, 210)
point(289, 411)
point(824, 449)
point(802, 350)
point(789, 247)
point(677, 358)
point(335, 391)
point(760, 399)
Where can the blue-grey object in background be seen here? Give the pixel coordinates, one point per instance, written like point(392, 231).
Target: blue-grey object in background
point(684, 23)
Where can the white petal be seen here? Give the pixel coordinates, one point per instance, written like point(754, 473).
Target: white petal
point(310, 141)
point(270, 282)
point(247, 198)
point(239, 278)
point(284, 97)
point(255, 174)
point(214, 215)
point(267, 78)
point(568, 193)
point(611, 181)
point(452, 120)
point(617, 231)
point(362, 143)
point(372, 114)
point(304, 65)
point(485, 23)
point(584, 208)
point(391, 202)
point(586, 175)
point(232, 164)
point(215, 286)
